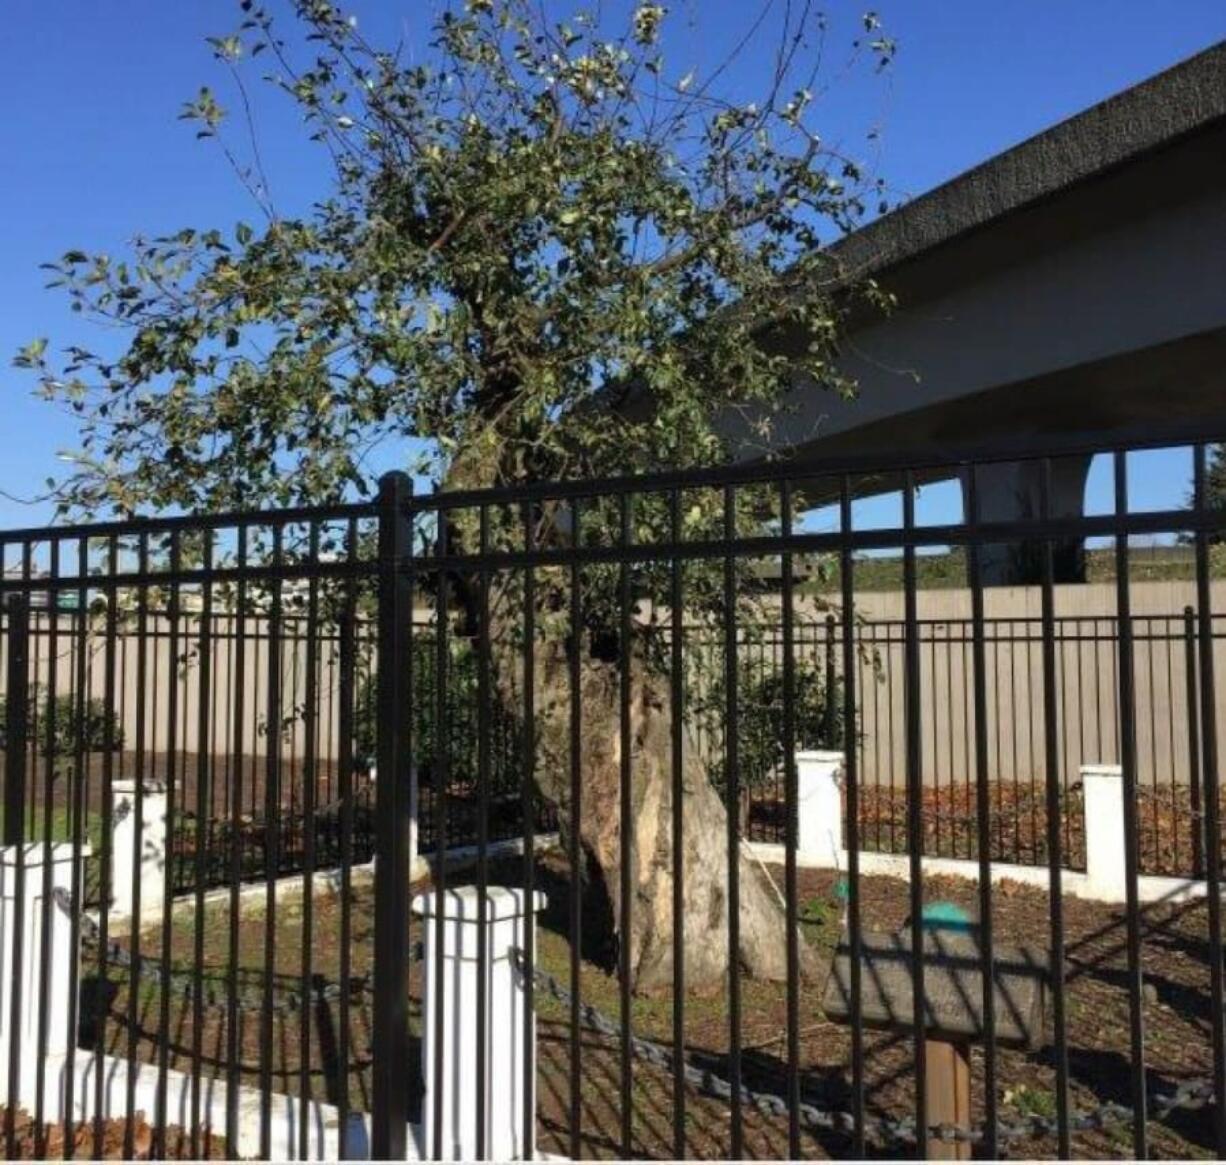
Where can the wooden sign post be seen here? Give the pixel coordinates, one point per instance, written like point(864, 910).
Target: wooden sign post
point(947, 1072)
point(953, 968)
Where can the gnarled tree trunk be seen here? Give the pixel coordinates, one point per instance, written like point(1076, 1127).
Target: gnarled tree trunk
point(704, 864)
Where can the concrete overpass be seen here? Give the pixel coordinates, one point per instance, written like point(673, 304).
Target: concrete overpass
point(1074, 285)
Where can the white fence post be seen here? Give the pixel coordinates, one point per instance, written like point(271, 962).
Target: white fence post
point(149, 866)
point(508, 915)
point(414, 804)
point(819, 807)
point(1103, 787)
point(30, 962)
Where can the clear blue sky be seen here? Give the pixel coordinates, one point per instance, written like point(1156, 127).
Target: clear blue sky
point(94, 152)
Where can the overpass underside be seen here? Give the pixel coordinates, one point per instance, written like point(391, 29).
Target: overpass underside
point(1159, 394)
point(1070, 290)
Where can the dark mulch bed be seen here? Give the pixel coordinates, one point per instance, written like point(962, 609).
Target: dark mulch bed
point(224, 782)
point(1168, 824)
point(1175, 965)
point(111, 1140)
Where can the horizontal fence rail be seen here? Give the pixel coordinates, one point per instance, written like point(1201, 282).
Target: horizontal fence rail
point(621, 815)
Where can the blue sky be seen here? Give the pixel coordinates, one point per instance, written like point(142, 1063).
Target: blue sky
point(94, 151)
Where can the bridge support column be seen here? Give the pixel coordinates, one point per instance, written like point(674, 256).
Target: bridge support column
point(1012, 490)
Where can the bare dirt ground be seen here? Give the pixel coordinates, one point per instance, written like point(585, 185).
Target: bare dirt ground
point(334, 1047)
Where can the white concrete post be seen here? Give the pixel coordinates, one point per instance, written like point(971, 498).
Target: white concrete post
point(508, 916)
point(819, 807)
point(60, 954)
point(413, 810)
point(149, 865)
point(1103, 787)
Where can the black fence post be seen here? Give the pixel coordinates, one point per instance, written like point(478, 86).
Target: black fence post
point(16, 729)
point(16, 718)
point(390, 1053)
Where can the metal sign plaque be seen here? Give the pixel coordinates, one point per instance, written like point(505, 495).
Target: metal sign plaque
point(953, 985)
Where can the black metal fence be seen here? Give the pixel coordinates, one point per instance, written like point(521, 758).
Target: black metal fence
point(168, 653)
point(1168, 782)
point(586, 667)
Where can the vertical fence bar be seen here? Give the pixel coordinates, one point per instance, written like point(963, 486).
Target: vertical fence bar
point(16, 715)
point(236, 837)
point(965, 654)
point(983, 816)
point(223, 692)
point(528, 807)
point(49, 776)
point(15, 746)
point(161, 1107)
point(142, 632)
point(997, 751)
point(203, 827)
point(272, 836)
point(878, 733)
point(1030, 749)
point(915, 795)
point(77, 817)
point(1191, 696)
point(1209, 772)
point(1128, 763)
point(732, 713)
point(390, 1055)
point(625, 823)
point(440, 772)
point(791, 797)
point(831, 703)
point(1151, 650)
point(852, 773)
point(483, 828)
point(1066, 718)
point(345, 764)
point(959, 762)
point(935, 768)
point(575, 852)
point(1054, 855)
point(893, 720)
point(483, 831)
point(1171, 748)
point(310, 824)
point(32, 712)
point(257, 685)
point(676, 600)
point(105, 866)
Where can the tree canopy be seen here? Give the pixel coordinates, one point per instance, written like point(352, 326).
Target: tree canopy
point(547, 251)
point(527, 223)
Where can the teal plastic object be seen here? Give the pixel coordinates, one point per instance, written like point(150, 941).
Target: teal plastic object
point(945, 916)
